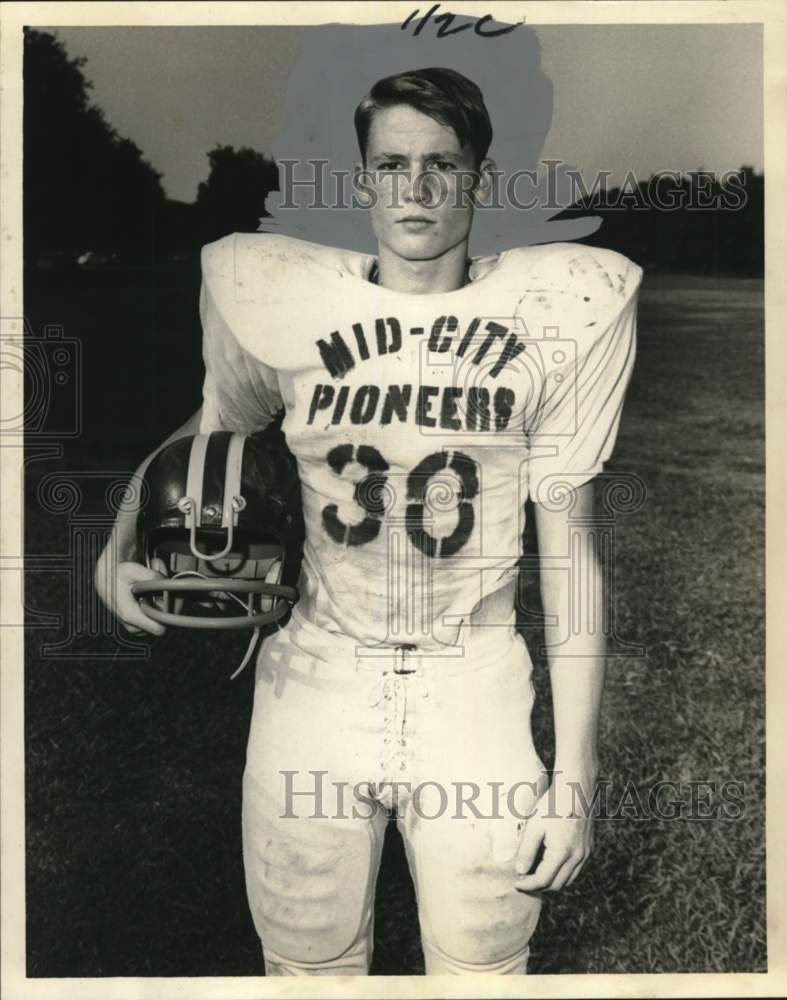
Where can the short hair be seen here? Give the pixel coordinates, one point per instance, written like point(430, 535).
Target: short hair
point(442, 94)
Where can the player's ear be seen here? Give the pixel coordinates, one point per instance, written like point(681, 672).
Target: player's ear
point(363, 191)
point(487, 171)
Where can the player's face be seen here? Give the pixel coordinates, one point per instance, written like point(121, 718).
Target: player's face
point(421, 180)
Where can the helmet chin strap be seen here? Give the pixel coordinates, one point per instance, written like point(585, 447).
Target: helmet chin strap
point(272, 576)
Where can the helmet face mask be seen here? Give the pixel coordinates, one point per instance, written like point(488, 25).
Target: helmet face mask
point(222, 523)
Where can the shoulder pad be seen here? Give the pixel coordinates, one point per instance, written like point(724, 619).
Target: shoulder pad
point(568, 284)
point(265, 267)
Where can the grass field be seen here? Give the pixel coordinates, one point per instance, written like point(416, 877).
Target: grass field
point(134, 765)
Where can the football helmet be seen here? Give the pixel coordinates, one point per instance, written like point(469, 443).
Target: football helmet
point(222, 513)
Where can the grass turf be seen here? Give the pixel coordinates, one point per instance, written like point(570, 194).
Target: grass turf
point(133, 766)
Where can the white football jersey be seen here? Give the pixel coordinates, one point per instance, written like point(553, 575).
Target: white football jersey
point(421, 423)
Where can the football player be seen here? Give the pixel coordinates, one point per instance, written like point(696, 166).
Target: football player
point(426, 396)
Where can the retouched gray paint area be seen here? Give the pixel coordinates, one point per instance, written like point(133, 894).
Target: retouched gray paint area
point(336, 66)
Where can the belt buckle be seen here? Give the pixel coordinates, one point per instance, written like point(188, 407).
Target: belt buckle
point(401, 666)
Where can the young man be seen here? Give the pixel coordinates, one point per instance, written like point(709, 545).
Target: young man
point(426, 396)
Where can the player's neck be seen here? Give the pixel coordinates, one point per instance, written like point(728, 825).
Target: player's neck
point(423, 277)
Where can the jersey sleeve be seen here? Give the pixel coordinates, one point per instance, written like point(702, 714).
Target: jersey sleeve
point(240, 392)
point(575, 423)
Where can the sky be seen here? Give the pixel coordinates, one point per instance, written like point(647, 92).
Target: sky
point(626, 98)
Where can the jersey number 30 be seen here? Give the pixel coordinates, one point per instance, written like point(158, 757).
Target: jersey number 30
point(370, 494)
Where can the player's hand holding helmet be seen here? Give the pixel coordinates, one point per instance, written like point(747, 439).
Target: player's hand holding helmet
point(116, 590)
point(221, 532)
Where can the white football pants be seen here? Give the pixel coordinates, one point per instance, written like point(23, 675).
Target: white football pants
point(337, 739)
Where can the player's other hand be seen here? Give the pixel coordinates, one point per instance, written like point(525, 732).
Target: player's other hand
point(563, 823)
point(117, 595)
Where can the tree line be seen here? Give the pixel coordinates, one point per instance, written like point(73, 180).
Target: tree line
point(87, 188)
point(698, 222)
